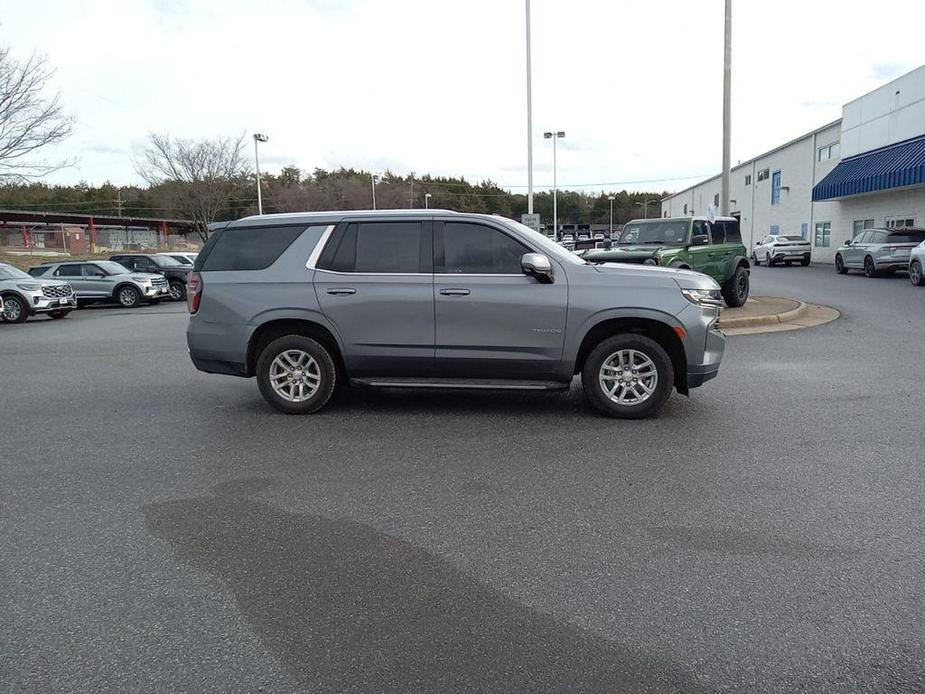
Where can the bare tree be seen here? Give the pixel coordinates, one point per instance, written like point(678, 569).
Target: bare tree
point(198, 176)
point(29, 120)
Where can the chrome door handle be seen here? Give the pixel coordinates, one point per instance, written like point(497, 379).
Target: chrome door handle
point(342, 291)
point(454, 292)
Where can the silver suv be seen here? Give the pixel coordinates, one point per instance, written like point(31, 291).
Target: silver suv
point(878, 250)
point(22, 296)
point(104, 280)
point(437, 299)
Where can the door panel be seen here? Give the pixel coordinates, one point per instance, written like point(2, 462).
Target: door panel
point(386, 322)
point(495, 324)
point(700, 256)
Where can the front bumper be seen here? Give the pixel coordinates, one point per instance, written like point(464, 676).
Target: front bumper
point(156, 292)
point(705, 344)
point(43, 304)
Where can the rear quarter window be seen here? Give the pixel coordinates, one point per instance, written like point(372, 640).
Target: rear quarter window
point(249, 248)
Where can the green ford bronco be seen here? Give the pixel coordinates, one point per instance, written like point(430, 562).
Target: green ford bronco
point(692, 243)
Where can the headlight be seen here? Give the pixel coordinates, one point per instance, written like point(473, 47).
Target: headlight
point(30, 286)
point(650, 261)
point(704, 297)
point(142, 280)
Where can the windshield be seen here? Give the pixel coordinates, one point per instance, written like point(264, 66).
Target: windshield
point(656, 231)
point(112, 268)
point(907, 237)
point(543, 243)
point(8, 272)
point(165, 261)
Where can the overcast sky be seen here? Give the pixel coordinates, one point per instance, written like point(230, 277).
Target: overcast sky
point(439, 86)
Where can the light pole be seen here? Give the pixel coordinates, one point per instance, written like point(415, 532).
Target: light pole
point(372, 179)
point(529, 121)
point(258, 137)
point(611, 198)
point(727, 108)
point(426, 200)
point(645, 207)
point(555, 208)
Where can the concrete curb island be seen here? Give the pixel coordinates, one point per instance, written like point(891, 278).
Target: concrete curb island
point(772, 314)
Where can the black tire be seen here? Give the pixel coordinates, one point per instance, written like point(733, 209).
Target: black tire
point(594, 389)
point(154, 302)
point(127, 296)
point(755, 261)
point(15, 309)
point(767, 260)
point(60, 313)
point(788, 263)
point(805, 262)
point(326, 373)
point(736, 288)
point(915, 273)
point(177, 290)
point(840, 265)
point(870, 270)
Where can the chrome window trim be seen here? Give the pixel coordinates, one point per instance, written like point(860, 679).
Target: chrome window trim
point(322, 242)
point(375, 274)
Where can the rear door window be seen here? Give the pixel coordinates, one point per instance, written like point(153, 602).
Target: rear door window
point(68, 271)
point(718, 232)
point(249, 248)
point(388, 247)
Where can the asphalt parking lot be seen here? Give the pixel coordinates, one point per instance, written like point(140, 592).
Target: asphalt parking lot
point(164, 530)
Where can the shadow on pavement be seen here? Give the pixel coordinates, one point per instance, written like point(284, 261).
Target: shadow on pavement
point(348, 608)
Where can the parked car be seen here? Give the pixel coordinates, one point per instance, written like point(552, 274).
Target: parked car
point(598, 237)
point(782, 248)
point(917, 265)
point(184, 258)
point(413, 299)
point(690, 243)
point(104, 280)
point(22, 296)
point(568, 238)
point(878, 250)
point(176, 272)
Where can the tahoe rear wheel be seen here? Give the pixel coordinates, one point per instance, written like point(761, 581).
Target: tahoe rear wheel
point(295, 374)
point(735, 290)
point(628, 376)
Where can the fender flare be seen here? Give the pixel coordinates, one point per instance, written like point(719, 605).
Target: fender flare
point(295, 313)
point(629, 312)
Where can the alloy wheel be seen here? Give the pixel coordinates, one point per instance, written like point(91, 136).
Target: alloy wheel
point(128, 297)
point(175, 291)
point(12, 310)
point(295, 375)
point(915, 273)
point(628, 377)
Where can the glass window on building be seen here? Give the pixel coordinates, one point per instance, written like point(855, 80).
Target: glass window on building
point(823, 237)
point(860, 225)
point(830, 151)
point(748, 179)
point(899, 222)
point(775, 188)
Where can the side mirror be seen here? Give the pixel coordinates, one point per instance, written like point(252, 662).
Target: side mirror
point(700, 240)
point(848, 242)
point(537, 265)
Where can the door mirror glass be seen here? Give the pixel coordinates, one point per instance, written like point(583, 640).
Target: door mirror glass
point(700, 240)
point(537, 265)
point(848, 242)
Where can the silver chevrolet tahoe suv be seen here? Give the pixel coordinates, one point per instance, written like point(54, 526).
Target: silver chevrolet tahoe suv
point(437, 299)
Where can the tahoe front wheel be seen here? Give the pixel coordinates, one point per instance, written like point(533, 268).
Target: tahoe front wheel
point(296, 374)
point(628, 376)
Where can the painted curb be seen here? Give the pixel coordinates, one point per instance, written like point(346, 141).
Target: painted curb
point(771, 319)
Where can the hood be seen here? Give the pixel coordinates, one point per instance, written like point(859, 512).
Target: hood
point(145, 275)
point(629, 251)
point(686, 279)
point(37, 281)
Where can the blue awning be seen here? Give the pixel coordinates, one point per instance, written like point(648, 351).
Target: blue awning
point(894, 166)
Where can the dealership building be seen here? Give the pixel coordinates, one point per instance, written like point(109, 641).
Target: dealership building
point(866, 169)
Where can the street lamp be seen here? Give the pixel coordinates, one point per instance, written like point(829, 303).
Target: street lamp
point(555, 209)
point(258, 137)
point(426, 200)
point(611, 198)
point(373, 178)
point(645, 207)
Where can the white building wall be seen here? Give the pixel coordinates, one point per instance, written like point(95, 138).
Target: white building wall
point(890, 114)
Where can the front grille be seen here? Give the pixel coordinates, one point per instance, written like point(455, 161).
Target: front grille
point(159, 281)
point(57, 291)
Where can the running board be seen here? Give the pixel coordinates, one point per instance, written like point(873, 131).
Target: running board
point(459, 383)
